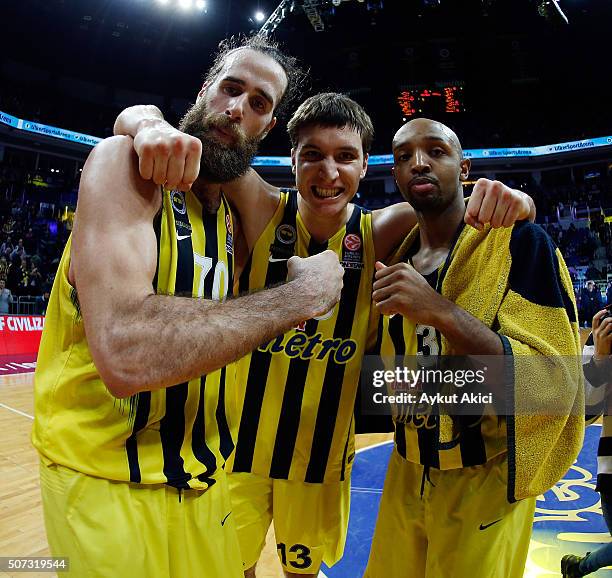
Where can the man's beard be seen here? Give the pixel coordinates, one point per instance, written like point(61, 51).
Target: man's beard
point(221, 162)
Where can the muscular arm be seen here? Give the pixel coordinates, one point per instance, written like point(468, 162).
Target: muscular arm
point(142, 341)
point(490, 202)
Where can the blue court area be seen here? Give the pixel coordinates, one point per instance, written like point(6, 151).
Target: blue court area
point(568, 518)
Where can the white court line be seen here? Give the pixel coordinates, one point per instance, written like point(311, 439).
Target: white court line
point(16, 411)
point(366, 490)
point(374, 446)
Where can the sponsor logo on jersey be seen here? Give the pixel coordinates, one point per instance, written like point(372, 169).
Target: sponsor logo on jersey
point(286, 234)
point(177, 198)
point(182, 225)
point(312, 347)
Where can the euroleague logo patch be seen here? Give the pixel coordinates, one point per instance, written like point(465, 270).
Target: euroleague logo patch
point(228, 224)
point(352, 242)
point(286, 234)
point(177, 198)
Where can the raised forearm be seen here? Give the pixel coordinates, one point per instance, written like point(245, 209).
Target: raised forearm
point(131, 119)
point(165, 340)
point(466, 334)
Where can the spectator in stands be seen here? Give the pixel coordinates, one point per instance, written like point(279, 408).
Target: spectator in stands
point(29, 241)
point(4, 267)
point(19, 250)
point(8, 226)
point(6, 248)
point(6, 298)
point(42, 303)
point(609, 294)
point(590, 302)
point(35, 281)
point(13, 277)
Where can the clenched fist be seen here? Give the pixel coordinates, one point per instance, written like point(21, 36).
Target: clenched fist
point(495, 203)
point(319, 281)
point(166, 155)
point(401, 289)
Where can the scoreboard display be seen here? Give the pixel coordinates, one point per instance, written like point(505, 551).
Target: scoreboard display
point(431, 101)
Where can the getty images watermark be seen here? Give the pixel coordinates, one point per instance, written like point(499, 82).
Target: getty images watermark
point(411, 386)
point(473, 385)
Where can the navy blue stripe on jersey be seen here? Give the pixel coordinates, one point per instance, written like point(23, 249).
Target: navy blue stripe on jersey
point(534, 273)
point(289, 420)
point(396, 332)
point(400, 438)
point(449, 257)
point(226, 443)
point(345, 452)
point(143, 406)
point(428, 441)
point(334, 373)
point(510, 417)
point(471, 442)
point(212, 249)
point(243, 280)
point(198, 441)
point(172, 433)
point(260, 362)
point(172, 425)
point(157, 221)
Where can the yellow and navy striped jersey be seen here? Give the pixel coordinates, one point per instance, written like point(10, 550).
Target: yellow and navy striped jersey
point(419, 437)
point(177, 436)
point(513, 280)
point(297, 392)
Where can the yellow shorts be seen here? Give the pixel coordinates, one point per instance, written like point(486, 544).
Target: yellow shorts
point(128, 530)
point(462, 527)
point(310, 520)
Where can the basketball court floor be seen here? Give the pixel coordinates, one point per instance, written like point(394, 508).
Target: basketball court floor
point(568, 518)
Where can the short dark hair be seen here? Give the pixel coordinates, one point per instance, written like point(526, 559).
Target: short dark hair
point(332, 109)
point(296, 75)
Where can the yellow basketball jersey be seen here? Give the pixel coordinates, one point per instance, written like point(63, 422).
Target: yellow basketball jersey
point(177, 436)
point(476, 439)
point(297, 392)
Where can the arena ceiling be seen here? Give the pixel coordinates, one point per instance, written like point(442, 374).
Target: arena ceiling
point(511, 60)
point(144, 43)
